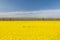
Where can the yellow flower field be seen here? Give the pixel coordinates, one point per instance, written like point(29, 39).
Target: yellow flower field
point(29, 30)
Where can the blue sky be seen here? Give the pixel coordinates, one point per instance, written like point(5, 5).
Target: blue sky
point(30, 8)
point(28, 5)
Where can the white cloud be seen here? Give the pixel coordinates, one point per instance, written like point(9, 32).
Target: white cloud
point(32, 14)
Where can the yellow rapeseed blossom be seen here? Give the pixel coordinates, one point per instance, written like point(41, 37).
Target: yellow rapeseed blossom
point(29, 30)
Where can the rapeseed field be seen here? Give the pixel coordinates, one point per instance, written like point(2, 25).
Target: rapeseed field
point(29, 30)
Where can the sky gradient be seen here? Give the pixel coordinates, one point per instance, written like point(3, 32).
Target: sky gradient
point(28, 5)
point(31, 8)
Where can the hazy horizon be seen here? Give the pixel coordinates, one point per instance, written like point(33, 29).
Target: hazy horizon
point(30, 8)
